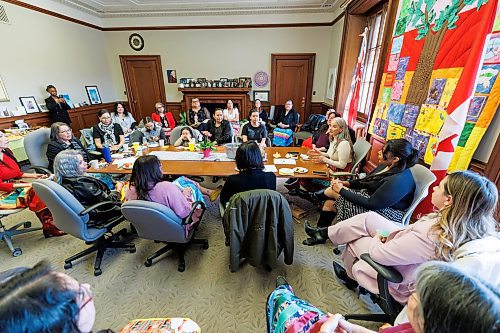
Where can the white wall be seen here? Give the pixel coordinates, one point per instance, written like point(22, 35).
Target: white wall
point(39, 49)
point(230, 53)
point(335, 46)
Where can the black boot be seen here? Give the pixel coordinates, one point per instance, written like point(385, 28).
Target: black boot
point(313, 231)
point(319, 196)
point(341, 273)
point(319, 235)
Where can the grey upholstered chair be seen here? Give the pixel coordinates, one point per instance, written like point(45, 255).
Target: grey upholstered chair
point(176, 133)
point(35, 145)
point(361, 148)
point(7, 234)
point(159, 223)
point(71, 217)
point(423, 178)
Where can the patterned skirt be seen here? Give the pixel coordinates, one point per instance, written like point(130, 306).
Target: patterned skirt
point(347, 209)
point(286, 313)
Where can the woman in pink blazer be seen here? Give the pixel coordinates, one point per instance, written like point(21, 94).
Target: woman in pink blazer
point(465, 203)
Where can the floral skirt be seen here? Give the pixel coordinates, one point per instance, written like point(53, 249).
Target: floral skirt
point(286, 313)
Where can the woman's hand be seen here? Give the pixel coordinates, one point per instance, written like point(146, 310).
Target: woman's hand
point(206, 133)
point(336, 185)
point(21, 185)
point(187, 192)
point(35, 175)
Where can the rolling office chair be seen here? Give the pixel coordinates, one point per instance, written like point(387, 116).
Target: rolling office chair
point(361, 148)
point(7, 234)
point(35, 145)
point(423, 178)
point(159, 223)
point(74, 219)
point(176, 134)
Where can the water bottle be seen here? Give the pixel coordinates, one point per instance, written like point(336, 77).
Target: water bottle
point(107, 154)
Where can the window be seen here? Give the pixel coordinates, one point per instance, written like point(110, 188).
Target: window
point(375, 22)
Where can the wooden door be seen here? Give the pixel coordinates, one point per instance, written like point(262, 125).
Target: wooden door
point(292, 78)
point(144, 84)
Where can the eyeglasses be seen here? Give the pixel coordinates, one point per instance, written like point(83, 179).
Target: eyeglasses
point(65, 131)
point(84, 296)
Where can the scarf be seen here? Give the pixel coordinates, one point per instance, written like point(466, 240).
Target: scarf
point(109, 133)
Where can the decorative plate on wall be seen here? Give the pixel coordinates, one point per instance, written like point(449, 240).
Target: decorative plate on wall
point(261, 79)
point(136, 42)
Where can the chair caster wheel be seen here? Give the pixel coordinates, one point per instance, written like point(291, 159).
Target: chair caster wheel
point(336, 251)
point(181, 268)
point(148, 263)
point(68, 265)
point(133, 250)
point(205, 246)
point(97, 272)
point(17, 252)
point(27, 225)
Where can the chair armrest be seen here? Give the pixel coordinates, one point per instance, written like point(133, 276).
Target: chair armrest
point(195, 204)
point(97, 205)
point(40, 169)
point(343, 174)
point(298, 127)
point(387, 272)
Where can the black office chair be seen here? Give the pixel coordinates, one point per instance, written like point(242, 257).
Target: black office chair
point(384, 299)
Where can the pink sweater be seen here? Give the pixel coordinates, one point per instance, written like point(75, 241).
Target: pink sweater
point(167, 194)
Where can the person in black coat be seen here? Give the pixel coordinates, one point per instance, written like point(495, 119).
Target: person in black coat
point(217, 130)
point(61, 138)
point(58, 107)
point(251, 177)
point(287, 119)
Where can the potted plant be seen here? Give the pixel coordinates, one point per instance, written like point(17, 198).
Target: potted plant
point(207, 146)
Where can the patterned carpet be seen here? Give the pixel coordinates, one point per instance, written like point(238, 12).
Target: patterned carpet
point(207, 292)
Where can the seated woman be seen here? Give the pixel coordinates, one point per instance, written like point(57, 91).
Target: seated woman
point(445, 300)
point(70, 171)
point(10, 180)
point(107, 133)
point(146, 183)
point(251, 173)
point(466, 204)
point(263, 117)
point(254, 130)
point(217, 130)
point(285, 125)
point(61, 138)
point(388, 189)
point(151, 131)
point(231, 114)
point(164, 119)
point(185, 138)
point(197, 115)
point(320, 140)
point(42, 300)
point(123, 118)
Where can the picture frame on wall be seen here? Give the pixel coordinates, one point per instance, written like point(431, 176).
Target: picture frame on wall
point(93, 94)
point(332, 78)
point(29, 104)
point(4, 97)
point(262, 95)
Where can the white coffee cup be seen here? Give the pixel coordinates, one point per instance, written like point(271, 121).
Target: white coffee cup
point(161, 142)
point(94, 164)
point(125, 148)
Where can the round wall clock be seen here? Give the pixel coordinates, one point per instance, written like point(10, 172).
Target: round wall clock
point(261, 79)
point(136, 42)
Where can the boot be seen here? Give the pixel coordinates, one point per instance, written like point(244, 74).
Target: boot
point(319, 235)
point(319, 196)
point(341, 273)
point(48, 226)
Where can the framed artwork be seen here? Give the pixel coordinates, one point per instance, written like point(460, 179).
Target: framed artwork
point(4, 112)
point(93, 94)
point(263, 95)
point(43, 107)
point(3, 92)
point(172, 75)
point(332, 77)
point(29, 103)
point(67, 99)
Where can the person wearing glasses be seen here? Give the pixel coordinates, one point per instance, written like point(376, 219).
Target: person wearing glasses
point(40, 299)
point(61, 138)
point(107, 133)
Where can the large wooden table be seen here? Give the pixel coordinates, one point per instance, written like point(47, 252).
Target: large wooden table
point(217, 168)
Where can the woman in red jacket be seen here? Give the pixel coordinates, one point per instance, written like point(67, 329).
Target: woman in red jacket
point(164, 119)
point(9, 171)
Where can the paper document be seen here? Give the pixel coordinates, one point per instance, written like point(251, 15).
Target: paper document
point(285, 161)
point(270, 168)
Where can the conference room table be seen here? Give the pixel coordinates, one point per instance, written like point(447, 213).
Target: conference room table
point(224, 168)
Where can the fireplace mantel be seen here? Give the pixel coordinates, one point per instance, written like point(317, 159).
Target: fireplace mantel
point(239, 96)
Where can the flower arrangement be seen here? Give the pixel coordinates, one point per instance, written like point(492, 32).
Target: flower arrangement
point(207, 144)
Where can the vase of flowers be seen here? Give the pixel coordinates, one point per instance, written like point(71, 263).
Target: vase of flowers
point(207, 146)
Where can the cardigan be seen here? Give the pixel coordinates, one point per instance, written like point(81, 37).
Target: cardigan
point(395, 191)
point(9, 169)
point(292, 119)
point(125, 122)
point(221, 134)
point(247, 180)
point(168, 117)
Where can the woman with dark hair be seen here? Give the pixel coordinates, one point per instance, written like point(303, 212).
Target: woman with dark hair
point(123, 118)
point(388, 190)
point(254, 130)
point(263, 117)
point(146, 183)
point(444, 300)
point(231, 114)
point(251, 173)
point(42, 300)
point(185, 138)
point(107, 133)
point(57, 105)
point(217, 130)
point(163, 118)
point(61, 138)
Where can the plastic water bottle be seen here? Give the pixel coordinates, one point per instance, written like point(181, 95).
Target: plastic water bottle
point(106, 151)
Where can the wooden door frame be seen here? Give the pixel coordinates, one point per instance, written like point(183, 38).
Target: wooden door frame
point(126, 78)
point(294, 56)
